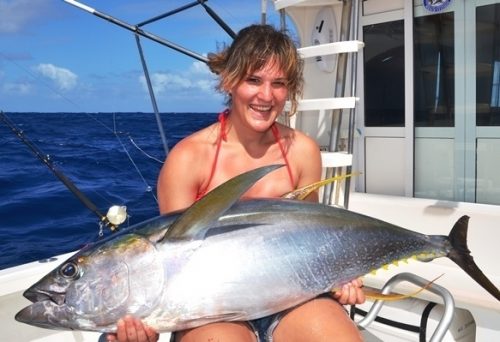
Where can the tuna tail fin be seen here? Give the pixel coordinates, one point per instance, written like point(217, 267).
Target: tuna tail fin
point(460, 254)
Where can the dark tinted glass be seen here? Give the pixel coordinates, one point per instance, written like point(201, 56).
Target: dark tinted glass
point(488, 65)
point(384, 74)
point(434, 83)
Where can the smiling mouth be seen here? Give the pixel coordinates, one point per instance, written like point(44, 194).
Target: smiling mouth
point(260, 108)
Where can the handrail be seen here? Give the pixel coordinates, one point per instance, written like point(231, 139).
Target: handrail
point(330, 48)
point(449, 303)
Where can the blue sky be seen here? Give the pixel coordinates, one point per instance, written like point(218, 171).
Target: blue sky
point(55, 57)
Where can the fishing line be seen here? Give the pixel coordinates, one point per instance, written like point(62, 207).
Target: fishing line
point(38, 78)
point(102, 124)
point(144, 152)
point(104, 220)
point(148, 187)
point(116, 133)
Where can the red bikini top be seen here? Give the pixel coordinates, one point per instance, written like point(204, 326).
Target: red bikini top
point(223, 137)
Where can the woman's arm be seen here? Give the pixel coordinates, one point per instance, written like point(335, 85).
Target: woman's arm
point(305, 155)
point(180, 177)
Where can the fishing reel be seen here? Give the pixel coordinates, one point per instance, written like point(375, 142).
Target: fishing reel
point(116, 215)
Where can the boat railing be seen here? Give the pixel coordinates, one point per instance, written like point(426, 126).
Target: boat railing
point(448, 302)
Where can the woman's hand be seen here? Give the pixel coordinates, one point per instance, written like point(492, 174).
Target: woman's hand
point(130, 329)
point(350, 293)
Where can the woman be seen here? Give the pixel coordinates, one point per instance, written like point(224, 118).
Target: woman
point(258, 72)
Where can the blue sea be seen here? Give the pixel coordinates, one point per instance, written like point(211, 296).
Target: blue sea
point(113, 158)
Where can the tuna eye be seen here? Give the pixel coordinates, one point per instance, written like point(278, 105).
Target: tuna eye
point(69, 270)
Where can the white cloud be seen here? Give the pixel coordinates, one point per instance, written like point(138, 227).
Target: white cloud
point(206, 85)
point(163, 82)
point(197, 78)
point(200, 68)
point(64, 78)
point(16, 14)
point(17, 88)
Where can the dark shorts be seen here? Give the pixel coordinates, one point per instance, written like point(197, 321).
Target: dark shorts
point(264, 327)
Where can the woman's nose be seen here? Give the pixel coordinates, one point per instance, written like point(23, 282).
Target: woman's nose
point(266, 91)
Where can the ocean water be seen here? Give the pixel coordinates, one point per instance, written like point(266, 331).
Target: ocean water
point(113, 158)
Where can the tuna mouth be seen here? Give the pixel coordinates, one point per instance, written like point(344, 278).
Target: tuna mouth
point(46, 309)
point(44, 314)
point(37, 295)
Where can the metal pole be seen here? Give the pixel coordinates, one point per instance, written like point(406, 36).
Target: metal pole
point(175, 11)
point(217, 19)
point(339, 92)
point(137, 30)
point(263, 12)
point(352, 111)
point(152, 95)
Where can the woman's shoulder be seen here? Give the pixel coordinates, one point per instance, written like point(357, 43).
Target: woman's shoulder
point(297, 138)
point(197, 142)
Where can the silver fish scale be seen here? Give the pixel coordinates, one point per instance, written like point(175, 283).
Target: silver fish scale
point(253, 265)
point(257, 258)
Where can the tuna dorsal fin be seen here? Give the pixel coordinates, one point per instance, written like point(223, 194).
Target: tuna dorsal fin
point(198, 216)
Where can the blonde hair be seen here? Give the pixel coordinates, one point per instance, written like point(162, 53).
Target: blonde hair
point(252, 48)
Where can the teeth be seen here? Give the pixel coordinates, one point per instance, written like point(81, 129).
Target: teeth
point(261, 108)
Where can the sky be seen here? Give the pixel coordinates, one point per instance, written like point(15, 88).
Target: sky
point(55, 57)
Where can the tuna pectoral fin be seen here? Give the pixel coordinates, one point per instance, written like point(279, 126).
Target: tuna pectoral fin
point(197, 218)
point(460, 254)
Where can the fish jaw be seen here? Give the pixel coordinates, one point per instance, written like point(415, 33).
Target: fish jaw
point(49, 315)
point(42, 291)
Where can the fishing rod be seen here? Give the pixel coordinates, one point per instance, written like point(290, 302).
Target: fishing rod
point(116, 214)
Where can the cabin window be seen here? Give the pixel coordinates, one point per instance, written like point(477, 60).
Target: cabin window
point(450, 140)
point(384, 74)
point(488, 65)
point(434, 71)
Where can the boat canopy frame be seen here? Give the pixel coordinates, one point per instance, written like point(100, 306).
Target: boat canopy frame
point(139, 32)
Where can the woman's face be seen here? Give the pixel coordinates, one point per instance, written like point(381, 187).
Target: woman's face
point(260, 97)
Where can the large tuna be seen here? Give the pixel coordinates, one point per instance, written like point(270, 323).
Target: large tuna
point(228, 260)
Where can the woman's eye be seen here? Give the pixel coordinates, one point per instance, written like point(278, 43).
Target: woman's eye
point(70, 270)
point(279, 84)
point(253, 80)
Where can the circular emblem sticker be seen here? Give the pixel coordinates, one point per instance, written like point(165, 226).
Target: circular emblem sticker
point(436, 5)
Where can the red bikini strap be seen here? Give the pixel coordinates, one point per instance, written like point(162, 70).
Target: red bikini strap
point(222, 136)
point(276, 133)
